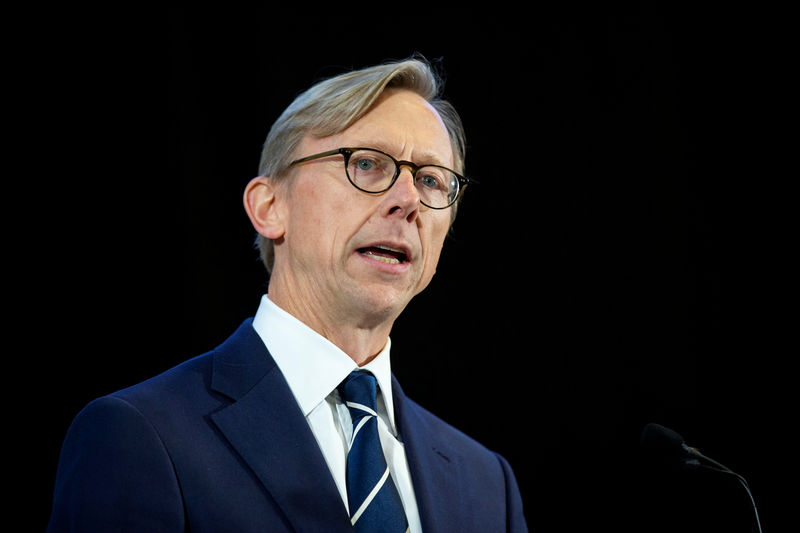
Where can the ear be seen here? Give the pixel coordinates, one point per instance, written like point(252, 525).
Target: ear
point(262, 207)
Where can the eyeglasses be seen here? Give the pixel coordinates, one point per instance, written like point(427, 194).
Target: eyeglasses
point(373, 171)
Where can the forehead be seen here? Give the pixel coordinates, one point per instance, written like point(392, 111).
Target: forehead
point(401, 123)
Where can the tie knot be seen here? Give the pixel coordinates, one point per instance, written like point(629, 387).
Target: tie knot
point(359, 388)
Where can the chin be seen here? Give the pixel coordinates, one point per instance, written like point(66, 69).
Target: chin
point(382, 305)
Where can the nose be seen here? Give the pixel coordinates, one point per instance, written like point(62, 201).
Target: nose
point(402, 199)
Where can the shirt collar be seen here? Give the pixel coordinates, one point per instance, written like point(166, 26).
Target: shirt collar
point(312, 365)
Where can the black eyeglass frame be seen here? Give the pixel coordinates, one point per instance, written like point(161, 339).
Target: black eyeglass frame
point(347, 152)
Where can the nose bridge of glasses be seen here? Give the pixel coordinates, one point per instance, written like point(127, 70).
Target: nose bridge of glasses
point(412, 167)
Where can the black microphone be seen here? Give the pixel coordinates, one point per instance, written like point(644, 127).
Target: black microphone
point(668, 444)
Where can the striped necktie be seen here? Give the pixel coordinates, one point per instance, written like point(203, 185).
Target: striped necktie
point(372, 496)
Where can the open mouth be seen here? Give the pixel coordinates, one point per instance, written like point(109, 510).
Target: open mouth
point(385, 254)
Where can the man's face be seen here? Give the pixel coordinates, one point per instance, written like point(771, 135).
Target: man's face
point(359, 256)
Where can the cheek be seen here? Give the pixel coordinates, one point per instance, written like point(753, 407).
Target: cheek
point(433, 251)
point(307, 221)
point(322, 223)
point(316, 203)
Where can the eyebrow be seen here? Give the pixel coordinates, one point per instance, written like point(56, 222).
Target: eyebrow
point(424, 157)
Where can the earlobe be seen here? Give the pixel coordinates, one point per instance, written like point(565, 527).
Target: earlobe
point(262, 208)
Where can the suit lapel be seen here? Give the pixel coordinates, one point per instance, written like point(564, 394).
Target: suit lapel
point(266, 427)
point(434, 468)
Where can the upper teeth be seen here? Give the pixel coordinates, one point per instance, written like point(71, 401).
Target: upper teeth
point(390, 249)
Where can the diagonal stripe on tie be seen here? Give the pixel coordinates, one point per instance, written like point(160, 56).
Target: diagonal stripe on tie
point(370, 497)
point(373, 499)
point(363, 407)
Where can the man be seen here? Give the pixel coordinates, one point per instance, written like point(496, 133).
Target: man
point(359, 182)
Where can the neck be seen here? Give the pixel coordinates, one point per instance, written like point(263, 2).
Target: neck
point(360, 336)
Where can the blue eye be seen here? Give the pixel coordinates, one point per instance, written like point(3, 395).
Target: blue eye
point(430, 181)
point(365, 164)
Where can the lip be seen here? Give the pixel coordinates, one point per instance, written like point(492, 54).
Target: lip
point(388, 256)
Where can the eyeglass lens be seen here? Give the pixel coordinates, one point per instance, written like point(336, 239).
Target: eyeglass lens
point(374, 171)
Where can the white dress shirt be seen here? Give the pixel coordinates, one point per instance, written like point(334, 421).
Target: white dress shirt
point(314, 367)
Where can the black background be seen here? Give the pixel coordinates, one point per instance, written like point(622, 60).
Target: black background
point(622, 261)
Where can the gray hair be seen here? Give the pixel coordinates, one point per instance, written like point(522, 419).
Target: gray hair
point(334, 104)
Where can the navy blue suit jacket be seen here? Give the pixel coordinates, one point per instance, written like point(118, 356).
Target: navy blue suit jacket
point(219, 444)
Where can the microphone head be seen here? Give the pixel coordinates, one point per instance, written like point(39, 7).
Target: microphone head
point(663, 442)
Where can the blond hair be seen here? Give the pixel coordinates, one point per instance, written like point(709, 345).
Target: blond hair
point(334, 104)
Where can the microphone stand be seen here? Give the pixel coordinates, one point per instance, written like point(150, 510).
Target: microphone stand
point(665, 441)
point(695, 462)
